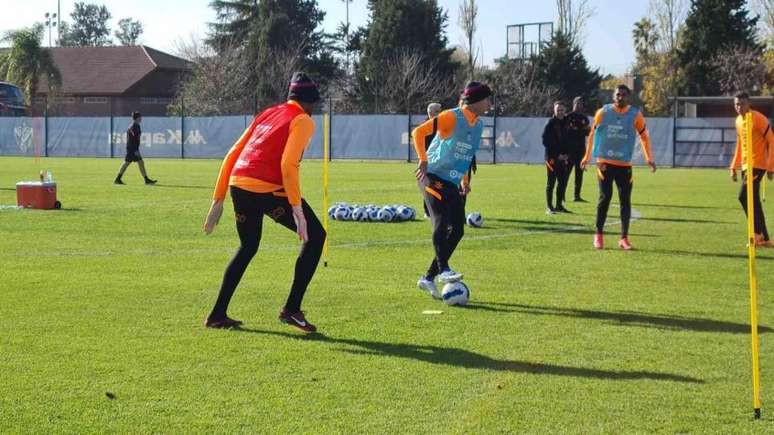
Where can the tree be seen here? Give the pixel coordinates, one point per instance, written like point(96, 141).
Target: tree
point(572, 18)
point(661, 79)
point(740, 69)
point(89, 28)
point(234, 23)
point(711, 29)
point(26, 62)
point(65, 38)
point(400, 25)
point(467, 22)
point(129, 31)
point(645, 39)
point(561, 65)
point(519, 93)
point(765, 8)
point(668, 16)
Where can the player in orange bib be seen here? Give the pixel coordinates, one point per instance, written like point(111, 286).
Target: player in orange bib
point(262, 173)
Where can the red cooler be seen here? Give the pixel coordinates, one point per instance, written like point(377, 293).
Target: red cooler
point(36, 194)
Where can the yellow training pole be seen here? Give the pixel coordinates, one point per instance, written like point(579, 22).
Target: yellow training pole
point(763, 189)
point(326, 150)
point(747, 143)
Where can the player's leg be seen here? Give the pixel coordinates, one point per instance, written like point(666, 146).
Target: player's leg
point(759, 220)
point(624, 181)
point(578, 178)
point(456, 222)
point(605, 194)
point(141, 165)
point(280, 210)
point(249, 222)
point(562, 177)
point(121, 171)
point(550, 183)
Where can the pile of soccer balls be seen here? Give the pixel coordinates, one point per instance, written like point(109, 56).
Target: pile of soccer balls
point(371, 213)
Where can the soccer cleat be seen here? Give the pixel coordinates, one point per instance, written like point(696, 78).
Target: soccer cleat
point(448, 276)
point(624, 244)
point(561, 209)
point(550, 210)
point(149, 181)
point(428, 285)
point(579, 199)
point(225, 322)
point(118, 181)
point(296, 319)
point(599, 241)
point(762, 242)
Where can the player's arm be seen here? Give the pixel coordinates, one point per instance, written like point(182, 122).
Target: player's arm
point(301, 132)
point(642, 131)
point(590, 141)
point(445, 125)
point(216, 209)
point(768, 137)
point(737, 159)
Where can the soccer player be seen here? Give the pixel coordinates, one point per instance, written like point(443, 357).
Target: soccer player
point(611, 142)
point(578, 128)
point(133, 134)
point(763, 162)
point(262, 172)
point(442, 170)
point(554, 140)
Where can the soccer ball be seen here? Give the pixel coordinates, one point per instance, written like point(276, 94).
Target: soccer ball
point(385, 214)
point(455, 293)
point(475, 220)
point(373, 214)
point(405, 213)
point(341, 213)
point(360, 214)
point(332, 212)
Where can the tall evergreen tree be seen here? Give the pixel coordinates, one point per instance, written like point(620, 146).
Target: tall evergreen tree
point(712, 27)
point(561, 65)
point(89, 28)
point(417, 26)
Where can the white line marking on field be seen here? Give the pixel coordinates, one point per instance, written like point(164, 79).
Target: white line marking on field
point(636, 215)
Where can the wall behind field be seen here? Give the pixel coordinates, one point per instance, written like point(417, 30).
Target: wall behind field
point(378, 137)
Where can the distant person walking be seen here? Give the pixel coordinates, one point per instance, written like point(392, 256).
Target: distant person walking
point(763, 162)
point(133, 134)
point(611, 143)
point(578, 128)
point(556, 158)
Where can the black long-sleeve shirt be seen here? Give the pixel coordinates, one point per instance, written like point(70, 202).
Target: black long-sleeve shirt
point(578, 128)
point(555, 137)
point(133, 138)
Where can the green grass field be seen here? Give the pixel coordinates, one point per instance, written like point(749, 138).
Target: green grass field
point(109, 295)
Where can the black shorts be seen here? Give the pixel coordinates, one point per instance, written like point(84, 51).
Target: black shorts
point(133, 156)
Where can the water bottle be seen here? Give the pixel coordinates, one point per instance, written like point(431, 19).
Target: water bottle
point(49, 176)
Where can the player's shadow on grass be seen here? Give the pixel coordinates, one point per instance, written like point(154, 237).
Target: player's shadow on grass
point(666, 219)
point(10, 189)
point(705, 254)
point(682, 207)
point(626, 318)
point(467, 359)
point(183, 186)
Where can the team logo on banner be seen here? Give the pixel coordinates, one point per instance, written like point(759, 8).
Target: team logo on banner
point(23, 135)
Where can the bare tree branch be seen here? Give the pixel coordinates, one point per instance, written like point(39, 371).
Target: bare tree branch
point(668, 16)
point(573, 15)
point(467, 21)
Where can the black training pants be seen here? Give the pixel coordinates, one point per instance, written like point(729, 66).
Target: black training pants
point(557, 176)
point(250, 208)
point(758, 217)
point(622, 177)
point(447, 214)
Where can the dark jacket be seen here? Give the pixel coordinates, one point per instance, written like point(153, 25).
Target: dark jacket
point(578, 128)
point(133, 138)
point(555, 137)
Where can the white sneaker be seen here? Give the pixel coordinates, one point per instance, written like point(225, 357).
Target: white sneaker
point(448, 276)
point(428, 286)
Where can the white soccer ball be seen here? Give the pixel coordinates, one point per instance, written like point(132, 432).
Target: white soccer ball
point(404, 213)
point(386, 214)
point(360, 214)
point(455, 293)
point(373, 214)
point(341, 213)
point(475, 219)
point(332, 212)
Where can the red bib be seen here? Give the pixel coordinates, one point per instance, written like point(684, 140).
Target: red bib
point(262, 155)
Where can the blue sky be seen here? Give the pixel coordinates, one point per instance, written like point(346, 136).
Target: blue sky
point(608, 43)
